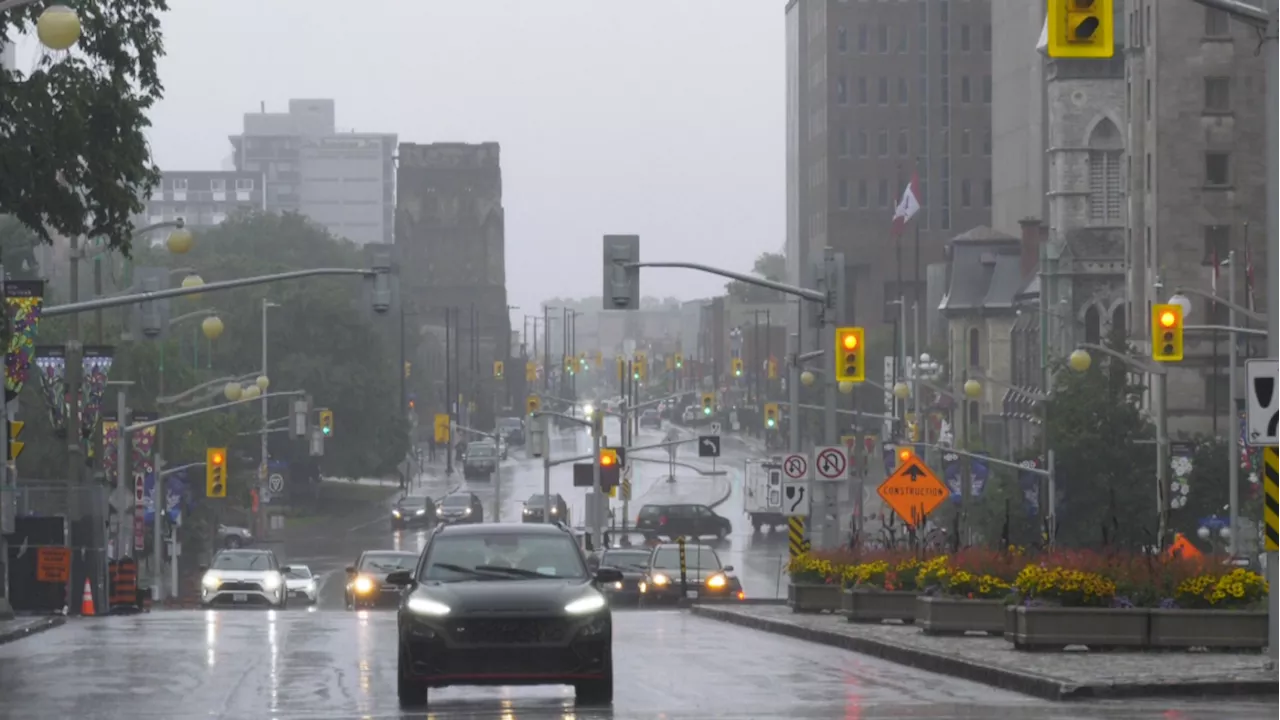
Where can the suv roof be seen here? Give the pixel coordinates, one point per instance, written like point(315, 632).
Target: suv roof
point(503, 529)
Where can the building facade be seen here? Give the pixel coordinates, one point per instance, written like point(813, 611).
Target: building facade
point(203, 198)
point(1018, 115)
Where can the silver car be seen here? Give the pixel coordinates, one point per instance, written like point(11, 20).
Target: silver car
point(244, 578)
point(301, 584)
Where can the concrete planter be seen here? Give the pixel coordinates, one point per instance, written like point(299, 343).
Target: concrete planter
point(813, 597)
point(1010, 622)
point(1054, 628)
point(873, 606)
point(941, 615)
point(1217, 629)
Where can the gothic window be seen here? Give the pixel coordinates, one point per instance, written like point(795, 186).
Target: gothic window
point(1092, 325)
point(975, 349)
point(1118, 319)
point(1106, 192)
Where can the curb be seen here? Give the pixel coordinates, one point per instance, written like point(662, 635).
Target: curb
point(728, 493)
point(1040, 686)
point(36, 627)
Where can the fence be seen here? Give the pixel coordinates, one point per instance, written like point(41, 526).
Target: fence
point(55, 545)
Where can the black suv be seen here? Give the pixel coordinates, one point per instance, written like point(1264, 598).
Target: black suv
point(504, 604)
point(367, 579)
point(460, 509)
point(677, 519)
point(536, 506)
point(413, 510)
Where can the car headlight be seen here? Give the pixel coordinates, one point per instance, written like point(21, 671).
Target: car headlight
point(716, 582)
point(617, 586)
point(527, 511)
point(211, 580)
point(395, 513)
point(271, 582)
point(588, 604)
point(363, 584)
point(661, 580)
point(427, 606)
point(467, 511)
point(311, 585)
point(555, 510)
point(423, 511)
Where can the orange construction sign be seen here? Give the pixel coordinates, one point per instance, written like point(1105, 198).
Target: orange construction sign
point(53, 564)
point(913, 491)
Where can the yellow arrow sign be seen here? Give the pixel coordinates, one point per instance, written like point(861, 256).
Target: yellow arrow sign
point(15, 447)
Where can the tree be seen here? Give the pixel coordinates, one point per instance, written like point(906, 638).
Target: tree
point(73, 153)
point(17, 249)
point(770, 266)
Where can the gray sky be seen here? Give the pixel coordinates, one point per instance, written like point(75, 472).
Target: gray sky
point(657, 117)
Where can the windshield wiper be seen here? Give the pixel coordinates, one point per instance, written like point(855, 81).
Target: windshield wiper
point(474, 572)
point(520, 572)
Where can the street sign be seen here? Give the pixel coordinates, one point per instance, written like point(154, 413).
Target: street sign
point(795, 498)
point(275, 483)
point(913, 491)
point(53, 564)
point(831, 462)
point(773, 494)
point(715, 428)
point(709, 446)
point(1262, 414)
point(796, 466)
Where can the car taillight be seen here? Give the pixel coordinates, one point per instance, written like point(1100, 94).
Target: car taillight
point(662, 520)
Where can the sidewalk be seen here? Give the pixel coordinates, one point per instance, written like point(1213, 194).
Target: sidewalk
point(993, 661)
point(21, 627)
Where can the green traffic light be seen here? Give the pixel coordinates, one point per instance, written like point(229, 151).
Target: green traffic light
point(770, 423)
point(706, 411)
point(327, 431)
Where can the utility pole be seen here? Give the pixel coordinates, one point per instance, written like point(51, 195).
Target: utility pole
point(1272, 253)
point(81, 533)
point(449, 371)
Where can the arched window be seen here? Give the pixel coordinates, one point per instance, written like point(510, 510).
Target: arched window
point(1092, 325)
point(1118, 320)
point(975, 349)
point(973, 417)
point(1106, 191)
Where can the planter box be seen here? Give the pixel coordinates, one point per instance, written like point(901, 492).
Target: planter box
point(813, 597)
point(1010, 622)
point(942, 615)
point(1053, 628)
point(872, 606)
point(1217, 629)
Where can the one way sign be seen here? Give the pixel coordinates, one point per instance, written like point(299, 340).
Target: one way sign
point(709, 446)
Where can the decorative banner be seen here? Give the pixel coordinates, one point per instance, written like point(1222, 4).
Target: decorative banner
point(23, 300)
point(174, 492)
point(1180, 454)
point(95, 366)
point(1029, 484)
point(110, 429)
point(51, 363)
point(142, 442)
point(951, 476)
point(979, 472)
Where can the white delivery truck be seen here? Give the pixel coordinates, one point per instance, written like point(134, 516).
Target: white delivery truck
point(762, 494)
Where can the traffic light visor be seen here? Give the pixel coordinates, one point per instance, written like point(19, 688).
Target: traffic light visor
point(1168, 319)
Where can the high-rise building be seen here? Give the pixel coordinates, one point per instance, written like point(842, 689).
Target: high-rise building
point(1019, 121)
point(344, 181)
point(875, 92)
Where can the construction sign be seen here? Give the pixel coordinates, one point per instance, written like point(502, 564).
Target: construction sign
point(53, 564)
point(913, 491)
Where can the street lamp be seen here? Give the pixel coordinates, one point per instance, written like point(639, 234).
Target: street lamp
point(232, 391)
point(262, 382)
point(846, 387)
point(192, 280)
point(180, 241)
point(212, 327)
point(58, 27)
point(1080, 360)
point(806, 378)
point(972, 389)
point(901, 390)
point(249, 392)
point(1183, 302)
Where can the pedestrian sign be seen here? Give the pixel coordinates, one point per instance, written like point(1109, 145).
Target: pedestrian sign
point(913, 491)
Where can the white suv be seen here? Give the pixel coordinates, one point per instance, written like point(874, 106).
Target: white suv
point(244, 578)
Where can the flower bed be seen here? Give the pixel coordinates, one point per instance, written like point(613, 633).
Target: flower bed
point(815, 582)
point(965, 592)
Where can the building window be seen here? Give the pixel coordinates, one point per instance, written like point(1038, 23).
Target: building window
point(862, 143)
point(1092, 325)
point(945, 87)
point(986, 192)
point(862, 91)
point(965, 142)
point(1217, 169)
point(986, 143)
point(904, 142)
point(944, 35)
point(966, 91)
point(862, 38)
point(975, 348)
point(1217, 94)
point(902, 41)
point(903, 94)
point(844, 142)
point(862, 193)
point(842, 39)
point(180, 184)
point(244, 184)
point(843, 192)
point(1118, 319)
point(883, 39)
point(882, 91)
point(218, 185)
point(1217, 23)
point(1106, 193)
point(882, 195)
point(964, 38)
point(986, 89)
point(986, 38)
point(966, 193)
point(842, 91)
point(1217, 243)
point(882, 143)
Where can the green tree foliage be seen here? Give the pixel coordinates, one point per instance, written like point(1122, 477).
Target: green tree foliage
point(770, 266)
point(17, 249)
point(73, 153)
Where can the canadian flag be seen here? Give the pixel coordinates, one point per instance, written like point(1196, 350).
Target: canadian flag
point(907, 207)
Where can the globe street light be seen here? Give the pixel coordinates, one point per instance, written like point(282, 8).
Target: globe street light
point(212, 327)
point(1080, 360)
point(806, 378)
point(232, 391)
point(192, 280)
point(901, 390)
point(972, 388)
point(58, 27)
point(1183, 302)
point(180, 241)
point(249, 392)
point(262, 382)
point(846, 387)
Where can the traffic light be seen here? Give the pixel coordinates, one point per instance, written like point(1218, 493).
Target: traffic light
point(532, 404)
point(582, 361)
point(622, 368)
point(849, 353)
point(708, 403)
point(531, 371)
point(326, 422)
point(770, 416)
point(773, 369)
point(498, 369)
point(568, 364)
point(904, 455)
point(737, 367)
point(215, 472)
point(608, 458)
point(679, 360)
point(621, 283)
point(1166, 333)
point(408, 369)
point(641, 366)
point(1081, 29)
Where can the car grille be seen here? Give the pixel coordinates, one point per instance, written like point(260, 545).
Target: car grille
point(523, 631)
point(239, 586)
point(510, 661)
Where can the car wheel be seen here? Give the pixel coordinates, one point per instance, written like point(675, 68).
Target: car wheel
point(231, 542)
point(412, 695)
point(596, 692)
point(722, 533)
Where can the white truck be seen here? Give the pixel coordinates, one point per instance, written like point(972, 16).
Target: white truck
point(762, 494)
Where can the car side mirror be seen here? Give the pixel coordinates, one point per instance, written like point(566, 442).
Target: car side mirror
point(607, 575)
point(728, 568)
point(400, 578)
point(285, 569)
point(351, 569)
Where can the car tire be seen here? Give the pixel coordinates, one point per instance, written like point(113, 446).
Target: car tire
point(722, 533)
point(411, 694)
point(598, 693)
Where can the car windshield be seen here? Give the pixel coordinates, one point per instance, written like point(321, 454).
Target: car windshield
point(625, 559)
point(481, 450)
point(257, 561)
point(412, 502)
point(388, 562)
point(536, 501)
point(696, 557)
point(457, 501)
point(502, 556)
point(300, 572)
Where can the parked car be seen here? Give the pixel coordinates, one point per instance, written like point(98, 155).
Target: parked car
point(232, 537)
point(682, 519)
point(651, 418)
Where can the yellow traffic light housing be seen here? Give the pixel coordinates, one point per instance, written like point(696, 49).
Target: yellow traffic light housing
point(737, 367)
point(532, 404)
point(498, 369)
point(708, 403)
point(1166, 333)
point(531, 371)
point(326, 422)
point(215, 472)
point(679, 360)
point(771, 416)
point(1081, 29)
point(640, 366)
point(608, 458)
point(850, 355)
point(622, 368)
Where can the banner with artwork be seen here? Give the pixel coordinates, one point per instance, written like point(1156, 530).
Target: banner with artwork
point(979, 472)
point(110, 431)
point(51, 364)
point(95, 365)
point(141, 444)
point(23, 300)
point(951, 469)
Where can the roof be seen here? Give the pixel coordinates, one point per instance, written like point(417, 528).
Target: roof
point(504, 529)
point(985, 271)
point(405, 553)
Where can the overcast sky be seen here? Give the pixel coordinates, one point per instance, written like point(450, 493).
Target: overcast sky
point(657, 117)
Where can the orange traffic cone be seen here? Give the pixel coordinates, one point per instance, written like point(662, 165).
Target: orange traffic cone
point(86, 601)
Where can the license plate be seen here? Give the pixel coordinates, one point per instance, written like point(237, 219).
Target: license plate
point(691, 594)
point(239, 597)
